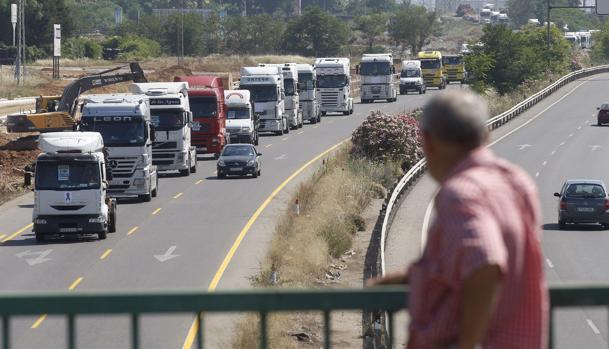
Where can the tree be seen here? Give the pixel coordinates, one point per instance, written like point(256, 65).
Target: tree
point(316, 33)
point(193, 34)
point(412, 26)
point(370, 27)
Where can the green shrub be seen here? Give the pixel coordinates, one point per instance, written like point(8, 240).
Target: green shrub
point(134, 47)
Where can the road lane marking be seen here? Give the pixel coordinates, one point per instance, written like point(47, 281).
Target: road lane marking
point(561, 144)
point(199, 181)
point(553, 152)
point(570, 134)
point(105, 254)
point(268, 145)
point(156, 211)
point(316, 126)
point(537, 174)
point(549, 262)
point(301, 132)
point(36, 324)
point(194, 327)
point(544, 163)
point(524, 146)
point(426, 219)
point(593, 327)
point(285, 138)
point(2, 236)
point(75, 284)
point(178, 195)
point(579, 127)
point(17, 233)
point(132, 230)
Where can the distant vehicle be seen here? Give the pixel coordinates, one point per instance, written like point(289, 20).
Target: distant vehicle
point(70, 186)
point(411, 78)
point(309, 98)
point(583, 201)
point(292, 97)
point(585, 39)
point(534, 21)
point(433, 70)
point(334, 85)
point(241, 121)
point(239, 159)
point(454, 66)
point(603, 114)
point(503, 19)
point(465, 49)
point(266, 87)
point(206, 99)
point(573, 38)
point(378, 78)
point(495, 16)
point(485, 14)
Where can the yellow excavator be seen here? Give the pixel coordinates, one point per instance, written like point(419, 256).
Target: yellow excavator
point(56, 113)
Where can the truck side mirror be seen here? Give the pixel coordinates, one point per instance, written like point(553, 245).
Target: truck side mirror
point(357, 69)
point(152, 133)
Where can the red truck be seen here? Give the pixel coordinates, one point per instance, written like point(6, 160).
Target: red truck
point(206, 97)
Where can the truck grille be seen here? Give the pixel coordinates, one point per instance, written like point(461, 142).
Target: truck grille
point(122, 167)
point(329, 98)
point(233, 129)
point(164, 145)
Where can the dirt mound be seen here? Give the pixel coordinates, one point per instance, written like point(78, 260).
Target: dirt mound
point(168, 74)
point(11, 167)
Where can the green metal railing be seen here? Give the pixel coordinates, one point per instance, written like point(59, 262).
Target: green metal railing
point(263, 302)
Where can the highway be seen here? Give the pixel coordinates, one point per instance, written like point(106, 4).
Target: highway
point(199, 233)
point(556, 140)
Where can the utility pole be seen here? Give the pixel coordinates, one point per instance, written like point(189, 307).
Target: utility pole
point(181, 36)
point(19, 63)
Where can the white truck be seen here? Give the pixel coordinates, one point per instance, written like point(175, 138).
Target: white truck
point(241, 121)
point(71, 186)
point(266, 87)
point(307, 83)
point(172, 119)
point(124, 123)
point(378, 78)
point(334, 85)
point(292, 98)
point(411, 78)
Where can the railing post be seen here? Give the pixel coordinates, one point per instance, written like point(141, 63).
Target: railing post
point(263, 328)
point(135, 331)
point(6, 332)
point(71, 332)
point(327, 330)
point(200, 331)
point(551, 322)
point(391, 327)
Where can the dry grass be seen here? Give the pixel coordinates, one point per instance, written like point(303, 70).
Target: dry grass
point(454, 32)
point(222, 63)
point(29, 86)
point(249, 333)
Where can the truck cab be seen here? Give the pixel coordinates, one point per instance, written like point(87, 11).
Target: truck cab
point(433, 69)
point(206, 98)
point(70, 188)
point(172, 119)
point(378, 78)
point(241, 121)
point(334, 85)
point(124, 122)
point(292, 97)
point(454, 66)
point(307, 84)
point(411, 78)
point(266, 89)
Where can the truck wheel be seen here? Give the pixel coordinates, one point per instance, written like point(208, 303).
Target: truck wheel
point(155, 192)
point(39, 236)
point(323, 113)
point(193, 169)
point(420, 91)
point(112, 221)
point(257, 139)
point(346, 112)
point(313, 121)
point(186, 172)
point(102, 235)
point(146, 197)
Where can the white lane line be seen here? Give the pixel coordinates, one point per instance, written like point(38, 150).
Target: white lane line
point(570, 134)
point(544, 163)
point(561, 144)
point(549, 262)
point(537, 174)
point(553, 152)
point(579, 127)
point(593, 327)
point(426, 219)
point(587, 121)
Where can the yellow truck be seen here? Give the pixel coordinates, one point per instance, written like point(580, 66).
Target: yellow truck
point(454, 67)
point(433, 70)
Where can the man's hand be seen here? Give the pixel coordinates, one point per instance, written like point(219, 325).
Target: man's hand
point(395, 278)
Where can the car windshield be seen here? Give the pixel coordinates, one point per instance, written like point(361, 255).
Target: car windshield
point(261, 93)
point(288, 84)
point(605, 106)
point(410, 73)
point(203, 107)
point(238, 151)
point(331, 81)
point(117, 133)
point(585, 190)
point(305, 80)
point(375, 68)
point(167, 119)
point(238, 113)
point(452, 60)
point(67, 175)
point(430, 63)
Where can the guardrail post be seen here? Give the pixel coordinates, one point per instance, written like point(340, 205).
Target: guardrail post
point(71, 332)
point(6, 332)
point(551, 322)
point(391, 327)
point(263, 328)
point(200, 331)
point(327, 330)
point(135, 331)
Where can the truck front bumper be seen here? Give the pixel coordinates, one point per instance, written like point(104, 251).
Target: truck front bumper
point(308, 110)
point(70, 224)
point(130, 187)
point(170, 161)
point(208, 144)
point(241, 138)
point(271, 125)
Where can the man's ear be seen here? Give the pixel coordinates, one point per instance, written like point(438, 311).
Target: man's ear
point(427, 143)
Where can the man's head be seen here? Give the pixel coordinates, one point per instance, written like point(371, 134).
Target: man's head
point(453, 125)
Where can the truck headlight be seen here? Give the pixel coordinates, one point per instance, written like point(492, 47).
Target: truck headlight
point(139, 182)
point(181, 156)
point(40, 221)
point(245, 129)
point(100, 219)
point(143, 160)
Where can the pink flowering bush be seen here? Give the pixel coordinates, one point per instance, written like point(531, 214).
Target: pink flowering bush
point(384, 137)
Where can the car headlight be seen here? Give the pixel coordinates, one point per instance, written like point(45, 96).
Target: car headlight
point(100, 219)
point(40, 221)
point(221, 163)
point(245, 129)
point(251, 163)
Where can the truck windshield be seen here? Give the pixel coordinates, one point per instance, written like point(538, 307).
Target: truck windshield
point(305, 80)
point(262, 93)
point(288, 84)
point(410, 73)
point(331, 81)
point(67, 175)
point(203, 107)
point(375, 68)
point(430, 64)
point(167, 119)
point(118, 133)
point(238, 113)
point(452, 60)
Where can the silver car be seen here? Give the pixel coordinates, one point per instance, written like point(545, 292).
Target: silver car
point(583, 201)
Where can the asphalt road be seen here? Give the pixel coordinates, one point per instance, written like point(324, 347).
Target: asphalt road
point(180, 240)
point(556, 140)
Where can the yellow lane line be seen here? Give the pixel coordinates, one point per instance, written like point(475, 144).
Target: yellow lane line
point(132, 230)
point(75, 283)
point(316, 126)
point(284, 138)
point(108, 251)
point(178, 195)
point(301, 132)
point(2, 236)
point(36, 324)
point(194, 327)
point(17, 233)
point(268, 145)
point(156, 211)
point(199, 181)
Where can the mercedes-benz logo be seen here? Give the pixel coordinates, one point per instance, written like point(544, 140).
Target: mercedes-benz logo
point(113, 164)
